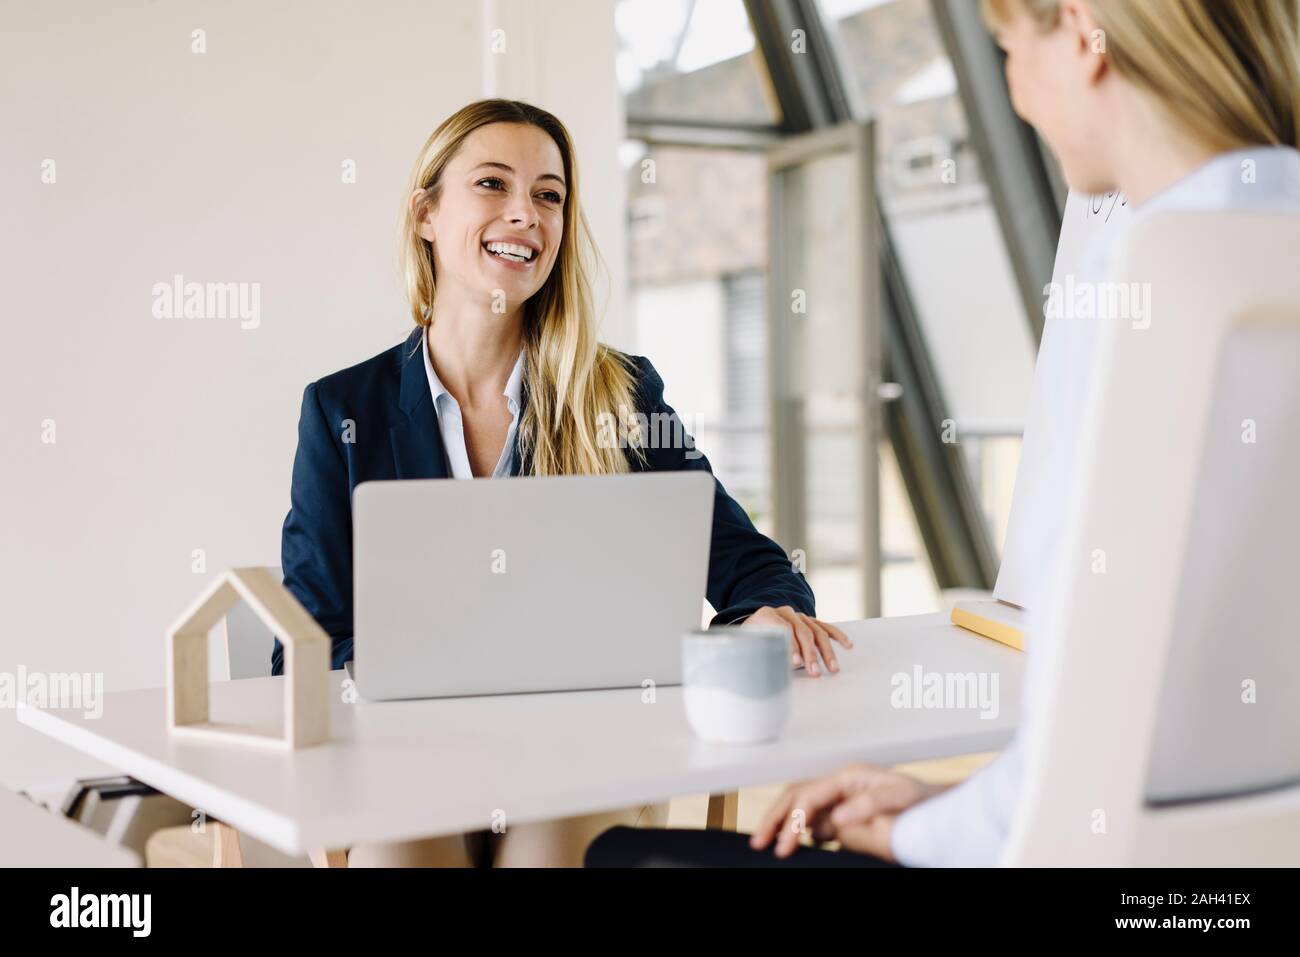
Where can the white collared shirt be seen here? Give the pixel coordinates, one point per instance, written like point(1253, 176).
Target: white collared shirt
point(452, 427)
point(968, 824)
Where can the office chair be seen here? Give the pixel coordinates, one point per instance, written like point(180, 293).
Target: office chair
point(1165, 727)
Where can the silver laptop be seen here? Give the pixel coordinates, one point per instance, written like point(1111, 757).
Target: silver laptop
point(526, 584)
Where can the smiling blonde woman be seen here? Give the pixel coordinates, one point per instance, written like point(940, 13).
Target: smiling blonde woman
point(503, 375)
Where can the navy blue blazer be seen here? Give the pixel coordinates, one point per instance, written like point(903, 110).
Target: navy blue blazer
point(397, 437)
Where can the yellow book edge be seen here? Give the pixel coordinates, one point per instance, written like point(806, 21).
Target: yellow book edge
point(988, 628)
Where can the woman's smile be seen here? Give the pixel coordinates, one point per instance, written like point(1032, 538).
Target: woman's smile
point(517, 255)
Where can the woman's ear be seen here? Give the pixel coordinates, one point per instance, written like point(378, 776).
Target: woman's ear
point(423, 220)
point(1089, 39)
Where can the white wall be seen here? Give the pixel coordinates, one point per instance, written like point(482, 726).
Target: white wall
point(560, 56)
point(173, 435)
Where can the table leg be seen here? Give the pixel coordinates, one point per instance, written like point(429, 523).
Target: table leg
point(323, 858)
point(225, 846)
point(722, 811)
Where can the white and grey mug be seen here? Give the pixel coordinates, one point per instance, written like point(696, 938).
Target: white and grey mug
point(736, 683)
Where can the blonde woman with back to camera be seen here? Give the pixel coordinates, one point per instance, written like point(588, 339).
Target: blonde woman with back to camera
point(1181, 105)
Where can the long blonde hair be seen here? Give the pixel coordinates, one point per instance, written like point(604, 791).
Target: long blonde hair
point(1226, 71)
point(577, 388)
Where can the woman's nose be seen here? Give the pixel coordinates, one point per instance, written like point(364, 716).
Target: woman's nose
point(522, 213)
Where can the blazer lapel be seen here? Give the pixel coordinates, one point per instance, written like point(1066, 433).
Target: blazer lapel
point(417, 442)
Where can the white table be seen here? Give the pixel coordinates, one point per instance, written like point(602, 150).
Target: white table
point(404, 770)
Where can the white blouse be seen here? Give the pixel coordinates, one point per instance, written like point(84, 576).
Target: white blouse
point(452, 427)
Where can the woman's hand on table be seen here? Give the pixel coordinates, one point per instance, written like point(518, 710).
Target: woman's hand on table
point(810, 637)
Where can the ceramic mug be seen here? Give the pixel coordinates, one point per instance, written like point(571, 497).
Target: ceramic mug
point(736, 683)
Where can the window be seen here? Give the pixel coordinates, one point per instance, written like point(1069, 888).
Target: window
point(691, 60)
point(946, 233)
point(697, 264)
point(698, 250)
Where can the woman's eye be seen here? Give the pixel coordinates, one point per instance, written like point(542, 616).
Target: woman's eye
point(552, 197)
point(491, 182)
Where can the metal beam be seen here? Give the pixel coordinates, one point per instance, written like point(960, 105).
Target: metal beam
point(704, 136)
point(1010, 153)
point(948, 512)
point(810, 96)
point(788, 267)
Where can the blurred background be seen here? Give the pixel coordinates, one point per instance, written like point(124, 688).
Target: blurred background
point(820, 220)
point(891, 510)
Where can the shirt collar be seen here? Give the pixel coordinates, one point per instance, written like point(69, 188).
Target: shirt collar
point(512, 392)
point(1217, 184)
point(1220, 182)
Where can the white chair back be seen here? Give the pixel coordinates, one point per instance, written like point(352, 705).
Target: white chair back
point(1166, 727)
